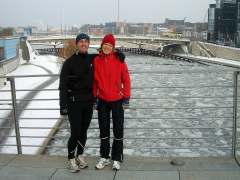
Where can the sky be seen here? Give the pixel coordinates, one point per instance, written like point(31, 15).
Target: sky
point(78, 12)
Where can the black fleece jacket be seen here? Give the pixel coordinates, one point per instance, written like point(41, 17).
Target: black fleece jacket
point(76, 78)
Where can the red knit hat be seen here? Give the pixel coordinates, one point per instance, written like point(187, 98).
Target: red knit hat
point(109, 38)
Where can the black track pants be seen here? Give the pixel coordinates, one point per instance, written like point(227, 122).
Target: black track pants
point(79, 115)
point(104, 110)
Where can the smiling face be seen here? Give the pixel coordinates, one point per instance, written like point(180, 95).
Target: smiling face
point(107, 48)
point(83, 45)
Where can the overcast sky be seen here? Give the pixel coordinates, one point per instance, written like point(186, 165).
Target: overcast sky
point(79, 12)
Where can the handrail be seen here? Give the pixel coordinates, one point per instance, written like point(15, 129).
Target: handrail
point(133, 98)
point(130, 147)
point(146, 87)
point(131, 72)
point(226, 98)
point(235, 116)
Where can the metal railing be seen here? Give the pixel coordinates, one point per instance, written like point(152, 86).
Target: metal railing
point(193, 114)
point(57, 51)
point(236, 121)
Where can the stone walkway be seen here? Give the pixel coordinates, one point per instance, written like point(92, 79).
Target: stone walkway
point(26, 167)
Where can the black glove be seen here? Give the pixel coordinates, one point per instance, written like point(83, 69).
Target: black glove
point(125, 104)
point(63, 110)
point(120, 55)
point(95, 104)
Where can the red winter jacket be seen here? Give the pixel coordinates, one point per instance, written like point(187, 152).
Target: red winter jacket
point(111, 78)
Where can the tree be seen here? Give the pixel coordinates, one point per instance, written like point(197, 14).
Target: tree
point(6, 32)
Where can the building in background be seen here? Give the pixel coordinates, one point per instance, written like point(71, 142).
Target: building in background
point(227, 24)
point(94, 30)
point(111, 27)
point(8, 48)
point(119, 28)
point(212, 22)
point(7, 32)
point(238, 24)
point(222, 22)
point(176, 26)
point(174, 23)
point(195, 31)
point(9, 56)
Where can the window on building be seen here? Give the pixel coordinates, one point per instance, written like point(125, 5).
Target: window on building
point(238, 10)
point(211, 25)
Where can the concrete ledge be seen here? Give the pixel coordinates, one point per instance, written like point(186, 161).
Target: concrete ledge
point(218, 61)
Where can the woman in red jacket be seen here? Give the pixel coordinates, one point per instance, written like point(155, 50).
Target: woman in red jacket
point(112, 89)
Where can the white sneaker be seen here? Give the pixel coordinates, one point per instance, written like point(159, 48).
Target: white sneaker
point(102, 163)
point(81, 162)
point(116, 165)
point(72, 165)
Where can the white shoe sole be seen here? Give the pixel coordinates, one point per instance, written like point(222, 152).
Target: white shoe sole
point(83, 166)
point(116, 169)
point(105, 164)
point(74, 171)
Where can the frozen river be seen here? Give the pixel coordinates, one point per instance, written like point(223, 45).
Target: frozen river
point(177, 109)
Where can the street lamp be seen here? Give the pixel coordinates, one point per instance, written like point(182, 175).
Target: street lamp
point(118, 11)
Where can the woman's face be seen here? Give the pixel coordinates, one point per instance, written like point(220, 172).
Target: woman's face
point(107, 48)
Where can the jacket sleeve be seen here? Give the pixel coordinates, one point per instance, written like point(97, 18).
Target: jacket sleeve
point(63, 89)
point(95, 86)
point(126, 82)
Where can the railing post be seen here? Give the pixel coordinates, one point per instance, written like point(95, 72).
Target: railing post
point(235, 99)
point(14, 113)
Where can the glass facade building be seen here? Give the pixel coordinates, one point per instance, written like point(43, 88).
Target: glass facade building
point(223, 22)
point(238, 24)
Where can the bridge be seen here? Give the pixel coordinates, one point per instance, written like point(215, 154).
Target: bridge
point(40, 166)
point(165, 45)
point(164, 54)
point(203, 113)
point(137, 39)
point(154, 43)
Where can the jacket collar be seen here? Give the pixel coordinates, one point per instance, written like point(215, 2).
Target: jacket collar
point(78, 53)
point(102, 55)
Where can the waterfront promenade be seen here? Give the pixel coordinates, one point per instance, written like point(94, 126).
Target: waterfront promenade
point(25, 167)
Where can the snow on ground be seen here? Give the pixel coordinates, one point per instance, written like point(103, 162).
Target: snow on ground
point(38, 65)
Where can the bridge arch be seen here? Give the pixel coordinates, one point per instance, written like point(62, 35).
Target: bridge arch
point(174, 49)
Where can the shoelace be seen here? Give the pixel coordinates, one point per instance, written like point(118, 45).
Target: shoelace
point(81, 159)
point(101, 161)
point(73, 162)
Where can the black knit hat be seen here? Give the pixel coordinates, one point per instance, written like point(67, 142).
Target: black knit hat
point(82, 36)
